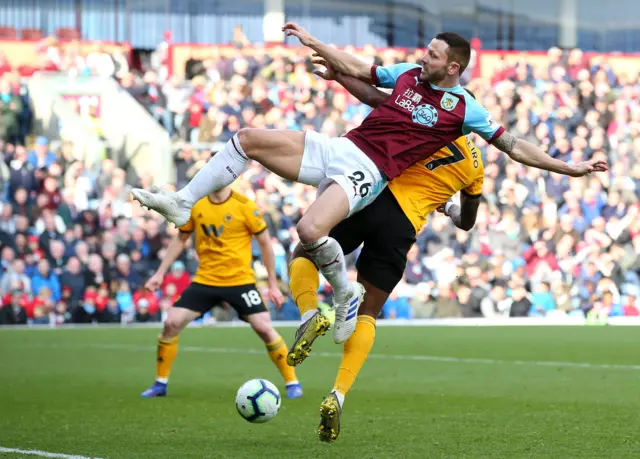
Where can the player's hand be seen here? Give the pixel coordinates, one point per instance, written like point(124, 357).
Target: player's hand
point(442, 208)
point(587, 167)
point(275, 295)
point(154, 282)
point(293, 29)
point(327, 74)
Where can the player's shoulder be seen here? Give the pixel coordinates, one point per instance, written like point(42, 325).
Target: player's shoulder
point(472, 106)
point(242, 202)
point(388, 76)
point(240, 198)
point(400, 68)
point(410, 71)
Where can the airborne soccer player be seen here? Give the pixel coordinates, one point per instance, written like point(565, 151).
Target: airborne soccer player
point(428, 110)
point(407, 201)
point(224, 224)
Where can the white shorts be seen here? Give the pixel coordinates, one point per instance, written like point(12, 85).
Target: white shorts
point(326, 160)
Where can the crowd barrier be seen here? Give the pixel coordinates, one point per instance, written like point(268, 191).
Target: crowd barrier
point(453, 322)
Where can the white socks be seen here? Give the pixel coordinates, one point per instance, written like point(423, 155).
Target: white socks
point(340, 397)
point(221, 170)
point(308, 315)
point(327, 255)
point(162, 380)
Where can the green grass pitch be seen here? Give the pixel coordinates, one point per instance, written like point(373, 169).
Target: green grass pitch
point(432, 392)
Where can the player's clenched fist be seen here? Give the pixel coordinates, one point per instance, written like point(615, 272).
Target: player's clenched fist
point(154, 282)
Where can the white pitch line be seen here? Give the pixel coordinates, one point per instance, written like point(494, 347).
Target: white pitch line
point(423, 358)
point(37, 452)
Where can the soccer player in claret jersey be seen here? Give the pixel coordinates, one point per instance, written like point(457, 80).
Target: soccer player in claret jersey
point(426, 186)
point(427, 111)
point(224, 224)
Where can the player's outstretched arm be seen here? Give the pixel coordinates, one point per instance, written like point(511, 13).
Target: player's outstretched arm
point(530, 155)
point(175, 248)
point(364, 92)
point(341, 61)
point(269, 258)
point(463, 215)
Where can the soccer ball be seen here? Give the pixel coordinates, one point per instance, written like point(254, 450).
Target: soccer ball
point(258, 400)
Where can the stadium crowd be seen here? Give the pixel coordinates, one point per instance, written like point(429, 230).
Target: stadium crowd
point(75, 249)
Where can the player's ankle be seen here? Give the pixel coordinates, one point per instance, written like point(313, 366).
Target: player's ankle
point(340, 396)
point(186, 195)
point(308, 315)
point(345, 294)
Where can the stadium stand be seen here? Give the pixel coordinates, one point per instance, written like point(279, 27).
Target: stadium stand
point(75, 249)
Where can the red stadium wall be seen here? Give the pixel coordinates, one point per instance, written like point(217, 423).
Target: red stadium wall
point(25, 56)
point(486, 60)
point(489, 60)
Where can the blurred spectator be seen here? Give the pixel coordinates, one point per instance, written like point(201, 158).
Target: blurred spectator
point(15, 278)
point(74, 279)
point(22, 176)
point(178, 277)
point(46, 279)
point(446, 303)
point(87, 312)
point(124, 272)
point(56, 256)
point(520, 304)
point(41, 157)
point(146, 305)
point(95, 274)
point(542, 300)
point(13, 313)
point(61, 315)
point(11, 108)
point(630, 307)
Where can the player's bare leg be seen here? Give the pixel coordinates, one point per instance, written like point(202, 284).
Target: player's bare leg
point(277, 349)
point(329, 209)
point(167, 350)
point(304, 283)
point(280, 151)
point(356, 351)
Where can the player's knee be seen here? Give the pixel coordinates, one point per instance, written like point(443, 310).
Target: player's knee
point(309, 230)
point(249, 140)
point(173, 325)
point(171, 329)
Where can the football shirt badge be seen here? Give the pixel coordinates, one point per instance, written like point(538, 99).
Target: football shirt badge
point(448, 102)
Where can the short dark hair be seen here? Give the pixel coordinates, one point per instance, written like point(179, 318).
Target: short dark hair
point(459, 48)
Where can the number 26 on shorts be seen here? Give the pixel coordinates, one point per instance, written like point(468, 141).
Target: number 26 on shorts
point(356, 178)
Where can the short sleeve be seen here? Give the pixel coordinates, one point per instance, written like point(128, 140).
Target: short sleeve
point(188, 227)
point(475, 189)
point(386, 77)
point(255, 221)
point(477, 119)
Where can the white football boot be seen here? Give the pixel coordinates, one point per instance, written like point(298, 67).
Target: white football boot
point(347, 314)
point(168, 204)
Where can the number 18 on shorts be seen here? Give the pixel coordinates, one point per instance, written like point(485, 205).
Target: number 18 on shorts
point(245, 299)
